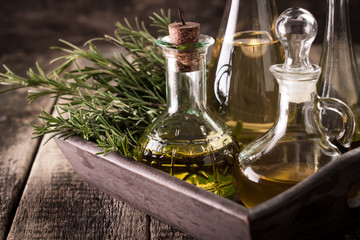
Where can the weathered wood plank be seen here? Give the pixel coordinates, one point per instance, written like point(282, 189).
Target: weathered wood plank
point(207, 217)
point(202, 214)
point(162, 231)
point(57, 204)
point(128, 222)
point(17, 150)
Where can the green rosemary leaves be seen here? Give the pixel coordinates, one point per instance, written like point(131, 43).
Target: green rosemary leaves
point(108, 100)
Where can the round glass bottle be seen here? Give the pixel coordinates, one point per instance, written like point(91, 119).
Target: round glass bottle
point(187, 140)
point(340, 77)
point(241, 88)
point(297, 145)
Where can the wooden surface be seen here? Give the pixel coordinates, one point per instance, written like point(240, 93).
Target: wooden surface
point(195, 211)
point(57, 204)
point(43, 198)
point(17, 150)
point(317, 208)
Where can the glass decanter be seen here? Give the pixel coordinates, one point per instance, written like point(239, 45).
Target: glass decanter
point(340, 77)
point(241, 88)
point(187, 140)
point(297, 145)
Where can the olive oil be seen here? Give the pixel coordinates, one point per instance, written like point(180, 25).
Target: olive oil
point(297, 145)
point(187, 140)
point(255, 186)
point(241, 88)
point(247, 131)
point(265, 175)
point(205, 164)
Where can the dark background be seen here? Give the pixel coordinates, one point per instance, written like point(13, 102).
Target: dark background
point(29, 28)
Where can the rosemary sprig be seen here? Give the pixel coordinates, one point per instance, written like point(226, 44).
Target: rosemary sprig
point(109, 100)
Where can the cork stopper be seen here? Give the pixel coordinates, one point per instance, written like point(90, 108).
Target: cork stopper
point(181, 33)
point(184, 33)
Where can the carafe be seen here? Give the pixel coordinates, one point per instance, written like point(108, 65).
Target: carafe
point(297, 145)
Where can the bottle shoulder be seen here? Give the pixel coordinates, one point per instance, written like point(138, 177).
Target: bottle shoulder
point(200, 132)
point(187, 125)
point(291, 148)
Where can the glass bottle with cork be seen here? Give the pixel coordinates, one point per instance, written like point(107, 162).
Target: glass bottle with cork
point(297, 145)
point(187, 140)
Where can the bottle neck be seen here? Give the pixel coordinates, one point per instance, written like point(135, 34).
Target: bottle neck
point(263, 14)
point(337, 23)
point(337, 60)
point(295, 104)
point(185, 89)
point(337, 40)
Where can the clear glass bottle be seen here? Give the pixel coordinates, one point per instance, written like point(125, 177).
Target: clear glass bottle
point(241, 88)
point(187, 140)
point(340, 77)
point(297, 145)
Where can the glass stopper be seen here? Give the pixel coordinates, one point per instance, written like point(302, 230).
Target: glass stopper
point(296, 29)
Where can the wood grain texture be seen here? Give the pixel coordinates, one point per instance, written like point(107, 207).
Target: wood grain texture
point(17, 150)
point(162, 231)
point(190, 209)
point(57, 204)
point(313, 209)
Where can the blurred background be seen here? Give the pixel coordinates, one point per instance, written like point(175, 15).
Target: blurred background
point(29, 28)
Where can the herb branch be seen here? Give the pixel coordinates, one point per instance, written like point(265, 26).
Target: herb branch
point(108, 100)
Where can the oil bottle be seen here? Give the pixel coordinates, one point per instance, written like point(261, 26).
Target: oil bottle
point(241, 89)
point(187, 141)
point(297, 145)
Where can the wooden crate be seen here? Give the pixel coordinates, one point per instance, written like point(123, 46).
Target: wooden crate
point(316, 208)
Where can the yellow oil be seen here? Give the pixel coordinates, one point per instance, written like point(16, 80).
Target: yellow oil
point(207, 165)
point(246, 132)
point(240, 87)
point(253, 188)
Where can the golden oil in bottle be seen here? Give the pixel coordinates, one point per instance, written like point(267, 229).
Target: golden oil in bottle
point(187, 140)
point(297, 145)
point(240, 87)
point(256, 185)
point(207, 165)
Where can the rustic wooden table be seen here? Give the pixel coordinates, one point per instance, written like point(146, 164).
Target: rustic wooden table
point(41, 196)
